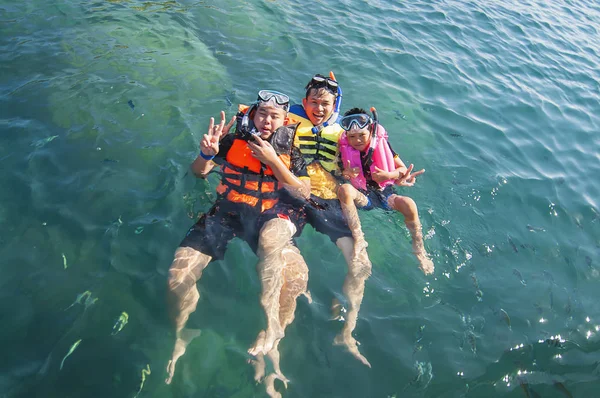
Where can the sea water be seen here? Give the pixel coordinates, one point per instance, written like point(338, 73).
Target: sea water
point(103, 105)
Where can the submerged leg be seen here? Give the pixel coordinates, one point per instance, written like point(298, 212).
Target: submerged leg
point(182, 298)
point(275, 237)
point(408, 208)
point(295, 283)
point(350, 198)
point(258, 363)
point(295, 276)
point(354, 289)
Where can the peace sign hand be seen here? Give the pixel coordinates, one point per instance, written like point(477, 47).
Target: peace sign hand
point(350, 172)
point(210, 142)
point(409, 178)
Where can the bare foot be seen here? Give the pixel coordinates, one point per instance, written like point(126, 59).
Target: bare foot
point(270, 384)
point(425, 263)
point(185, 337)
point(274, 357)
point(352, 347)
point(259, 367)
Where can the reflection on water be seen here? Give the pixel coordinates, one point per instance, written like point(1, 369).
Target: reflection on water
point(102, 108)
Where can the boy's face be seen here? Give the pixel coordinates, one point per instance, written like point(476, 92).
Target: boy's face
point(319, 105)
point(267, 119)
point(359, 139)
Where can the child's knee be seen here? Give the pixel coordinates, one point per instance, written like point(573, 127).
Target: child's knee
point(404, 205)
point(345, 192)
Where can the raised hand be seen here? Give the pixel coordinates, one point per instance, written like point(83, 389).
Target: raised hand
point(409, 178)
point(210, 142)
point(262, 150)
point(349, 171)
point(228, 125)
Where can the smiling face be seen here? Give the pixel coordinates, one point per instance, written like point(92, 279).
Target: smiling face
point(359, 139)
point(319, 104)
point(267, 119)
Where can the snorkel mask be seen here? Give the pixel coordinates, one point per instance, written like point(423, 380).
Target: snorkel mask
point(360, 120)
point(272, 98)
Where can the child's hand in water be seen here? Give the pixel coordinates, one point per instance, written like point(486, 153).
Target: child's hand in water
point(350, 172)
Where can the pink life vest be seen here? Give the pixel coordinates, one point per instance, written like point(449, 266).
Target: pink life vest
point(383, 158)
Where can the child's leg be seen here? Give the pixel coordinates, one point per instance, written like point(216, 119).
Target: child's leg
point(349, 198)
point(408, 208)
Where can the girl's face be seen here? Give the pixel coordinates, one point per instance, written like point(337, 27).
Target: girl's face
point(359, 139)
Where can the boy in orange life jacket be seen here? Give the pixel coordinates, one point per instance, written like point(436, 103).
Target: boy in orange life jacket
point(256, 161)
point(317, 137)
point(372, 167)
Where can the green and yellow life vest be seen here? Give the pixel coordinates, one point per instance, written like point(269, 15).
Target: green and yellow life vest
point(320, 151)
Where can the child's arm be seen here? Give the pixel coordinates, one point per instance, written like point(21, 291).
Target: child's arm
point(381, 175)
point(209, 147)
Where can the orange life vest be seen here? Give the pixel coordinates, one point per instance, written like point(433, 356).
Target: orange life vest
point(244, 179)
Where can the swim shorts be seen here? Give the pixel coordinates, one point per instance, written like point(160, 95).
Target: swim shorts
point(325, 216)
point(226, 220)
point(378, 199)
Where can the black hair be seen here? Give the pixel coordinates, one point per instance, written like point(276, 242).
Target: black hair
point(309, 87)
point(355, 111)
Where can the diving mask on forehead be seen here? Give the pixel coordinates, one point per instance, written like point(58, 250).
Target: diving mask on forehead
point(274, 98)
point(360, 121)
point(268, 97)
point(320, 81)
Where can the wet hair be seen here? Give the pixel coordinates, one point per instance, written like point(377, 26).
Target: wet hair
point(355, 111)
point(318, 88)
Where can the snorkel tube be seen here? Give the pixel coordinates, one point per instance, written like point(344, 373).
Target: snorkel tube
point(245, 129)
point(336, 108)
point(375, 122)
point(380, 151)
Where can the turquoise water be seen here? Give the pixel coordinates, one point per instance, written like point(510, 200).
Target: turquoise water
point(103, 104)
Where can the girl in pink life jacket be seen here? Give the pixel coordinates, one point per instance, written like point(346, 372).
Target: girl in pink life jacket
point(372, 169)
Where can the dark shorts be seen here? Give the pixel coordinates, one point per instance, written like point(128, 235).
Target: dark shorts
point(226, 220)
point(325, 216)
point(378, 199)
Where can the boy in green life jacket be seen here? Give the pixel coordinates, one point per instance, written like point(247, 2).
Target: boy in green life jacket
point(317, 137)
